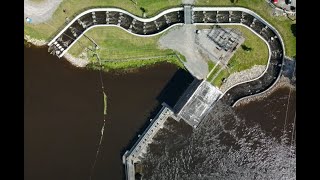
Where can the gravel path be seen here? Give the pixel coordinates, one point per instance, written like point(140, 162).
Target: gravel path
point(40, 12)
point(182, 39)
point(241, 76)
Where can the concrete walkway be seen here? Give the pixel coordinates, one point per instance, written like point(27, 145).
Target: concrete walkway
point(41, 11)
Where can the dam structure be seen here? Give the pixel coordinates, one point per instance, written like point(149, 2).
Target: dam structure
point(134, 155)
point(200, 96)
point(193, 105)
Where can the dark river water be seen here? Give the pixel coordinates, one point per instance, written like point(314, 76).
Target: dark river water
point(253, 141)
point(64, 115)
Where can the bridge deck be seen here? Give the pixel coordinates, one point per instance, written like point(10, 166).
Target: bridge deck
point(188, 14)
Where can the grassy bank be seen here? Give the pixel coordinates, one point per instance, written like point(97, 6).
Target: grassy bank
point(47, 30)
point(243, 59)
point(133, 64)
point(120, 50)
point(282, 24)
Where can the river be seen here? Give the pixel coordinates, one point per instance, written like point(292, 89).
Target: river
point(64, 115)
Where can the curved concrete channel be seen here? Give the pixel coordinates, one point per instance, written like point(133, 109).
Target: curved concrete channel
point(163, 21)
point(175, 16)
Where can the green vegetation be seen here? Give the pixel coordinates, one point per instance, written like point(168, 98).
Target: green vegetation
point(252, 52)
point(243, 59)
point(133, 64)
point(181, 57)
point(213, 73)
point(47, 30)
point(218, 80)
point(282, 24)
point(119, 49)
point(210, 65)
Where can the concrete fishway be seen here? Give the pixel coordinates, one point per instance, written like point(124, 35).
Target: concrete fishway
point(168, 18)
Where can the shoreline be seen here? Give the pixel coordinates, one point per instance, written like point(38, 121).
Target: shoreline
point(77, 62)
point(34, 41)
point(283, 82)
point(242, 76)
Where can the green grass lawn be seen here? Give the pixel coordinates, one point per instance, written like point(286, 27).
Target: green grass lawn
point(282, 24)
point(48, 30)
point(211, 75)
point(210, 65)
point(124, 50)
point(218, 80)
point(242, 60)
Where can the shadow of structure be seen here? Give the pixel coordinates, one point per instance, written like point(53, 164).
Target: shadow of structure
point(293, 29)
point(170, 94)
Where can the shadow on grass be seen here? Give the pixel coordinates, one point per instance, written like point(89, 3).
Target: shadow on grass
point(246, 48)
point(293, 29)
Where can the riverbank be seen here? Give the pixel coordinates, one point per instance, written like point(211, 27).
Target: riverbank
point(78, 62)
point(63, 115)
point(242, 76)
point(283, 82)
point(35, 42)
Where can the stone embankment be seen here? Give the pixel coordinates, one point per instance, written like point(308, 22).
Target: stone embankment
point(35, 42)
point(282, 82)
point(78, 62)
point(242, 76)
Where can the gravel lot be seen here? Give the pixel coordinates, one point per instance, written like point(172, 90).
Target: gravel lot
point(40, 12)
point(182, 39)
